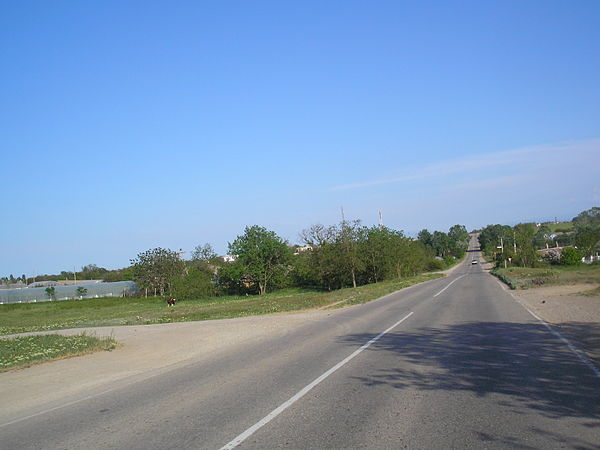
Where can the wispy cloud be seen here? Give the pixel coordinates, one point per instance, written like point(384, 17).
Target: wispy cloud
point(511, 162)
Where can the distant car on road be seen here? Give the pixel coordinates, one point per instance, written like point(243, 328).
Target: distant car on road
point(474, 261)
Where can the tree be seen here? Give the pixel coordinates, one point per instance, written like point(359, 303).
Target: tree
point(81, 291)
point(231, 279)
point(459, 240)
point(542, 237)
point(587, 231)
point(155, 269)
point(586, 239)
point(50, 292)
point(425, 237)
point(348, 254)
point(319, 267)
point(262, 255)
point(493, 236)
point(378, 252)
point(526, 255)
point(570, 256)
point(348, 238)
point(203, 253)
point(588, 218)
point(93, 272)
point(441, 243)
point(197, 283)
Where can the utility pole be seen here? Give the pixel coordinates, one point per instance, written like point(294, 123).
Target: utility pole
point(343, 217)
point(502, 249)
point(380, 219)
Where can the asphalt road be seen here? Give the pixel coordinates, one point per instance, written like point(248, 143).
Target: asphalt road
point(452, 363)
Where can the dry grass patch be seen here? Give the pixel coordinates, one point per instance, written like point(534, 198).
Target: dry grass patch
point(526, 277)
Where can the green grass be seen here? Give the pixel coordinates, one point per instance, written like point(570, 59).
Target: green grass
point(560, 227)
point(24, 351)
point(525, 278)
point(18, 318)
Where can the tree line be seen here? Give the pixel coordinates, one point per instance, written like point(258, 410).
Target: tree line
point(87, 272)
point(519, 244)
point(347, 254)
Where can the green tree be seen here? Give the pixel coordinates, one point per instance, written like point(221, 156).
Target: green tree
point(441, 243)
point(459, 240)
point(154, 270)
point(318, 267)
point(197, 283)
point(378, 252)
point(587, 231)
point(348, 238)
point(588, 218)
point(81, 291)
point(410, 257)
point(587, 239)
point(231, 279)
point(262, 256)
point(493, 236)
point(425, 237)
point(93, 272)
point(570, 256)
point(203, 253)
point(526, 255)
point(51, 292)
point(542, 237)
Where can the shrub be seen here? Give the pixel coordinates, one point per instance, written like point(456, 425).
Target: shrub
point(196, 284)
point(570, 256)
point(436, 264)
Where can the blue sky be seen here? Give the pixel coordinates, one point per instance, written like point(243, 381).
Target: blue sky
point(131, 125)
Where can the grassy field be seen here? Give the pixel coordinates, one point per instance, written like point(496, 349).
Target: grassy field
point(525, 278)
point(17, 318)
point(560, 227)
point(23, 351)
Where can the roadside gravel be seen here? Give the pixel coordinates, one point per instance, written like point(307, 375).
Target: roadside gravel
point(576, 315)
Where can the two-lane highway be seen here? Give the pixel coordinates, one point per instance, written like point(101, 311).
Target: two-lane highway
point(451, 363)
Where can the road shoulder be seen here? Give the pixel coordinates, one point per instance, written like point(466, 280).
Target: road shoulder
point(577, 316)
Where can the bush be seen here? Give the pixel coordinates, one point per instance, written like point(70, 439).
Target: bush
point(435, 264)
point(196, 284)
point(570, 256)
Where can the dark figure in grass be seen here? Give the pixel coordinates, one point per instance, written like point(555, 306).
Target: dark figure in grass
point(171, 301)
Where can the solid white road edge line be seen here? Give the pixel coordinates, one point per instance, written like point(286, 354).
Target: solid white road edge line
point(450, 284)
point(265, 420)
point(583, 358)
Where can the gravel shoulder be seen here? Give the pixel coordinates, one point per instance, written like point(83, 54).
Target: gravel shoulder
point(576, 315)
